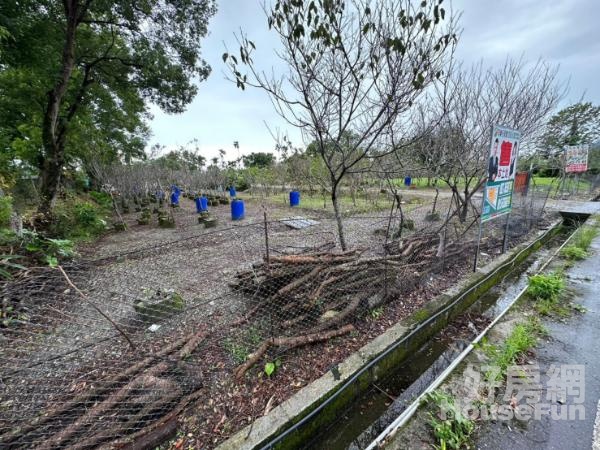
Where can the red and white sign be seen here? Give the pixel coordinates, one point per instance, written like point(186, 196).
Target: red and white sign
point(576, 158)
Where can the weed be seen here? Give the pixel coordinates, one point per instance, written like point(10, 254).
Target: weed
point(536, 326)
point(546, 287)
point(376, 313)
point(240, 348)
point(584, 236)
point(254, 336)
point(272, 366)
point(238, 352)
point(579, 308)
point(76, 218)
point(573, 253)
point(551, 308)
point(522, 338)
point(8, 264)
point(546, 290)
point(454, 429)
point(102, 198)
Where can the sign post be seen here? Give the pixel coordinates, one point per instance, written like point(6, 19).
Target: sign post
point(498, 190)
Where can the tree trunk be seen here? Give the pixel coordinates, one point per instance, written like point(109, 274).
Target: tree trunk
point(465, 205)
point(338, 217)
point(464, 210)
point(53, 132)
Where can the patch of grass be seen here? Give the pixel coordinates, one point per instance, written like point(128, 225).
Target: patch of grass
point(549, 308)
point(546, 287)
point(584, 236)
point(546, 292)
point(451, 428)
point(238, 352)
point(240, 348)
point(522, 338)
point(573, 253)
point(349, 207)
point(545, 181)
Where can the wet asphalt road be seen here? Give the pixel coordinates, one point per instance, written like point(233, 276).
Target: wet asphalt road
point(576, 341)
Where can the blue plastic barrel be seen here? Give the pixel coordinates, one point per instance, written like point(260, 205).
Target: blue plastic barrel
point(237, 209)
point(203, 203)
point(232, 192)
point(407, 181)
point(294, 198)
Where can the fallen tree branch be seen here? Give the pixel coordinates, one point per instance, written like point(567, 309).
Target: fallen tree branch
point(300, 281)
point(91, 394)
point(289, 342)
point(191, 344)
point(155, 433)
point(146, 379)
point(120, 429)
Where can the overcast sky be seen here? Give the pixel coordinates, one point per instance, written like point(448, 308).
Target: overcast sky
point(564, 32)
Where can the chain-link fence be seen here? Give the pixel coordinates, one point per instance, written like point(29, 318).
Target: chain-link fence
point(213, 327)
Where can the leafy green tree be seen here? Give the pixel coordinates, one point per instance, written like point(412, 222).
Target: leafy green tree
point(185, 157)
point(573, 125)
point(258, 159)
point(181, 159)
point(77, 75)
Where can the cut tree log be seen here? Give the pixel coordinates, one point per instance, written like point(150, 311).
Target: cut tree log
point(154, 434)
point(92, 393)
point(146, 379)
point(289, 342)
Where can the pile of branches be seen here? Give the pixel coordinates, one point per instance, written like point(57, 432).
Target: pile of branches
point(428, 248)
point(311, 296)
point(145, 398)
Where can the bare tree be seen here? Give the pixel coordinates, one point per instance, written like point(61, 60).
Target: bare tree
point(516, 95)
point(353, 68)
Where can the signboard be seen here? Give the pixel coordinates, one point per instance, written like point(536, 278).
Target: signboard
point(576, 158)
point(521, 182)
point(502, 167)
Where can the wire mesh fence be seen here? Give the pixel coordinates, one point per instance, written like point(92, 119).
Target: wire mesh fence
point(153, 321)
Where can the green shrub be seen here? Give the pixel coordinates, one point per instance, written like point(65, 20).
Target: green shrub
point(102, 198)
point(78, 219)
point(35, 248)
point(5, 210)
